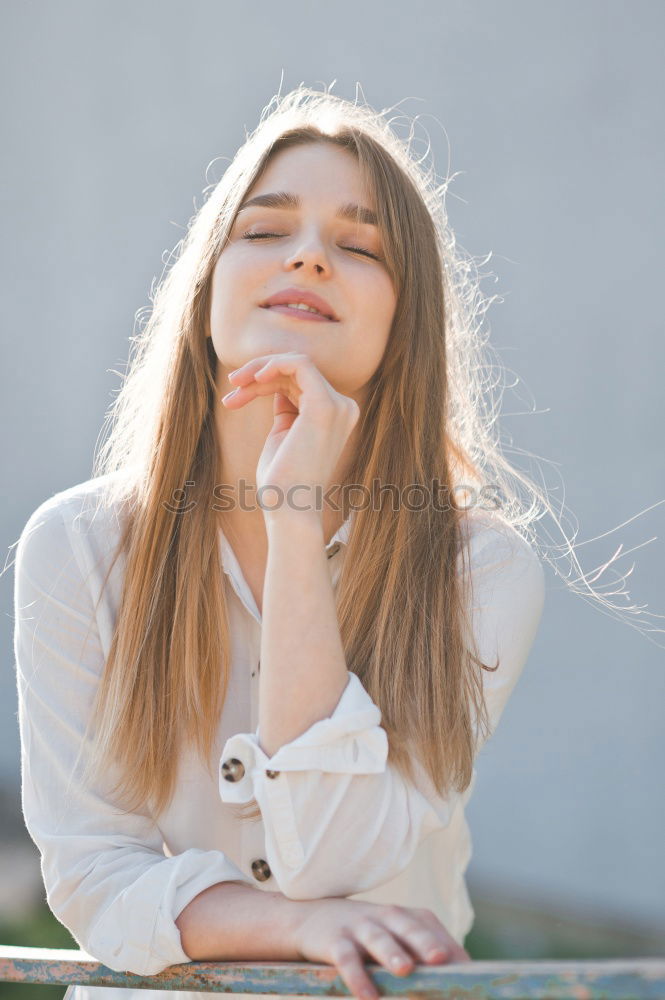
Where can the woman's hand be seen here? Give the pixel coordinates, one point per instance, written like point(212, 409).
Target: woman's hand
point(344, 932)
point(312, 422)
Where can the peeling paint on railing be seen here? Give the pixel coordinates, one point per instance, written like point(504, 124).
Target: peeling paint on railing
point(614, 979)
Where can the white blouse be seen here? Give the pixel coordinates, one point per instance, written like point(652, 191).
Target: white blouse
point(336, 819)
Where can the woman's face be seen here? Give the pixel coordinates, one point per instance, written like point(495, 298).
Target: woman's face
point(310, 248)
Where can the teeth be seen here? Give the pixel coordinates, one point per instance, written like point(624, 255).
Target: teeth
point(301, 305)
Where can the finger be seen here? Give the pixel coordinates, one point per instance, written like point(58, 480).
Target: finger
point(244, 393)
point(277, 385)
point(270, 371)
point(276, 381)
point(250, 367)
point(302, 372)
point(352, 970)
point(382, 945)
point(456, 952)
point(424, 935)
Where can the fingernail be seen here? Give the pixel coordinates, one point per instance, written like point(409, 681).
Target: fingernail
point(229, 394)
point(233, 372)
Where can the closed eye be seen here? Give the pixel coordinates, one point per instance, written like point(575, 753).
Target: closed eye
point(262, 236)
point(365, 253)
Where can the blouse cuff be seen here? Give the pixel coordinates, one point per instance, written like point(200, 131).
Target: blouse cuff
point(350, 741)
point(141, 934)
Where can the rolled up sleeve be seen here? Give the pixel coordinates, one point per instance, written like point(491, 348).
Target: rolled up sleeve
point(339, 819)
point(105, 871)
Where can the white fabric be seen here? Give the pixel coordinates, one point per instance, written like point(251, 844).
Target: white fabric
point(336, 820)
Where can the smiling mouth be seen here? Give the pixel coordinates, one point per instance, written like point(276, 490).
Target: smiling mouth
point(300, 312)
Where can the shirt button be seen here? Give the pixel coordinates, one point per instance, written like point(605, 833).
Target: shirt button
point(261, 870)
point(233, 769)
point(272, 774)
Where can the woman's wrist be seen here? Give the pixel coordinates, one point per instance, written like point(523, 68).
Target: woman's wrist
point(301, 523)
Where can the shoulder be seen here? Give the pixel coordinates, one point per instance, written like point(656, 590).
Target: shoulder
point(503, 569)
point(491, 543)
point(80, 511)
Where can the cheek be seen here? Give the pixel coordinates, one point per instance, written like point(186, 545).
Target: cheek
point(225, 297)
point(229, 289)
point(234, 265)
point(383, 303)
point(244, 281)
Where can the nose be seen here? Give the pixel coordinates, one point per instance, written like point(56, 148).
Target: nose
point(310, 254)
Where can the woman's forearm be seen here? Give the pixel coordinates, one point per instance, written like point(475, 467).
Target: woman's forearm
point(303, 668)
point(233, 921)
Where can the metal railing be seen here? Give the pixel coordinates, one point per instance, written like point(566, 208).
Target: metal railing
point(609, 979)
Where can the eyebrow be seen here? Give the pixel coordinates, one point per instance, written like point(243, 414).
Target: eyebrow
point(284, 199)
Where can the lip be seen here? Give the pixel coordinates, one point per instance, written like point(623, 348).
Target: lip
point(304, 296)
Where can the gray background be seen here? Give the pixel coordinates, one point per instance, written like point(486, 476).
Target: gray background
point(553, 116)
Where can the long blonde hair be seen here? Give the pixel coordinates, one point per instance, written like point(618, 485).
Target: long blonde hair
point(428, 415)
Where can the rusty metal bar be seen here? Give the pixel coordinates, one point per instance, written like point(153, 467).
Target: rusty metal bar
point(615, 979)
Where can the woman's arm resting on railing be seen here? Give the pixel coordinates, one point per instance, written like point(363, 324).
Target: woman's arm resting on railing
point(239, 923)
point(228, 922)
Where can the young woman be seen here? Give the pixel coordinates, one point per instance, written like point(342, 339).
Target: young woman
point(259, 651)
